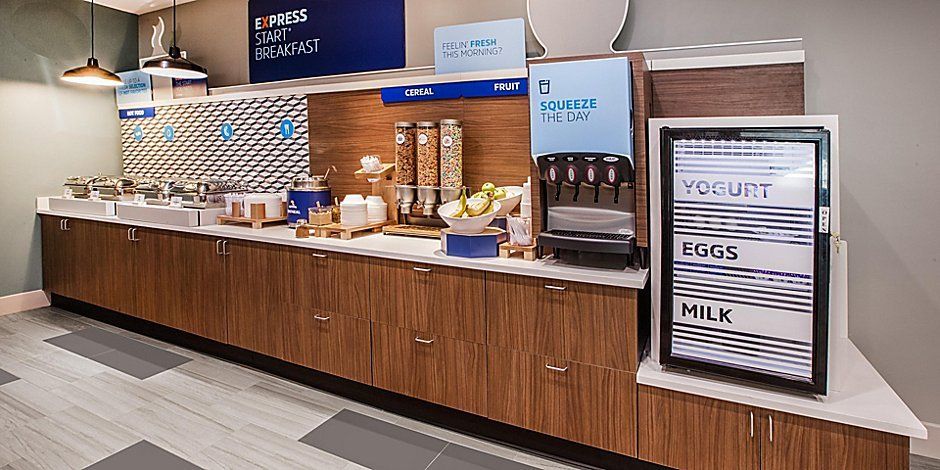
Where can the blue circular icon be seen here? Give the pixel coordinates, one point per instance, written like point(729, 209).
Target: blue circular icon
point(138, 133)
point(168, 133)
point(287, 129)
point(227, 131)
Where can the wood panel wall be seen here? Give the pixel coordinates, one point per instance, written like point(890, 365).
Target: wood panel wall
point(348, 125)
point(344, 126)
point(761, 90)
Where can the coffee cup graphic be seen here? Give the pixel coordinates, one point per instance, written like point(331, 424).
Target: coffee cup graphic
point(545, 86)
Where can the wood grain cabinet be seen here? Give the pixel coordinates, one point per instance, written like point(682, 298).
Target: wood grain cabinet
point(257, 296)
point(326, 282)
point(697, 433)
point(434, 368)
point(68, 265)
point(182, 282)
point(435, 300)
point(581, 322)
point(579, 402)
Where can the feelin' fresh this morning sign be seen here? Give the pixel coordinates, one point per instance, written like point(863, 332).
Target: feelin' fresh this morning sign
point(490, 45)
point(290, 39)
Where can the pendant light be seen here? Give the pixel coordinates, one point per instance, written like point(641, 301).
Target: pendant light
point(91, 73)
point(174, 66)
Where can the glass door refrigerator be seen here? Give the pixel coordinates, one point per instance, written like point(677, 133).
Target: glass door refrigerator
point(745, 254)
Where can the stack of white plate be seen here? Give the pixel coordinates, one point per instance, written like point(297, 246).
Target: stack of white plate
point(353, 211)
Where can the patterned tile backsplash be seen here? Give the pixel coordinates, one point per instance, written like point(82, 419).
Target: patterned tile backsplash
point(261, 151)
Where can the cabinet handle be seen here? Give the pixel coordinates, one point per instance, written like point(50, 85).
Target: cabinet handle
point(422, 270)
point(133, 235)
point(556, 369)
point(61, 224)
point(770, 420)
point(558, 288)
point(129, 238)
point(321, 318)
point(218, 247)
point(65, 225)
point(423, 341)
point(225, 251)
point(752, 424)
point(318, 255)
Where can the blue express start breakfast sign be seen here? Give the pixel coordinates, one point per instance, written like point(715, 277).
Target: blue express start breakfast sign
point(290, 39)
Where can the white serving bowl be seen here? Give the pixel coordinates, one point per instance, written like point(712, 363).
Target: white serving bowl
point(508, 203)
point(469, 225)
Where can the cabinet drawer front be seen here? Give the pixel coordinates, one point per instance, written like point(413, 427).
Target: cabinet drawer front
point(696, 433)
point(585, 323)
point(437, 299)
point(525, 314)
point(430, 367)
point(601, 326)
point(258, 277)
point(579, 402)
point(333, 343)
point(330, 282)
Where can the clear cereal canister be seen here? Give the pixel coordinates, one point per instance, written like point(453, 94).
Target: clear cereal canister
point(428, 153)
point(451, 154)
point(405, 153)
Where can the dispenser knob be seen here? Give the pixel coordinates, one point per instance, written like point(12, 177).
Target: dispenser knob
point(591, 175)
point(553, 174)
point(612, 176)
point(571, 174)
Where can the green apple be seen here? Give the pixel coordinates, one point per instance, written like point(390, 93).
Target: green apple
point(488, 187)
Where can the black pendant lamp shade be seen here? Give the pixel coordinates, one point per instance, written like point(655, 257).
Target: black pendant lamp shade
point(91, 73)
point(174, 65)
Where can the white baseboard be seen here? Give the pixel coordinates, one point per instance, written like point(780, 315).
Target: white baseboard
point(23, 301)
point(929, 447)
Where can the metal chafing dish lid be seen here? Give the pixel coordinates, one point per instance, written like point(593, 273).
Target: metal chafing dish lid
point(204, 186)
point(79, 180)
point(114, 182)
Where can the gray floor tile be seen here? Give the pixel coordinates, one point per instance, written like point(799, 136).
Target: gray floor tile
point(79, 344)
point(143, 456)
point(129, 364)
point(127, 355)
point(456, 457)
point(6, 377)
point(374, 443)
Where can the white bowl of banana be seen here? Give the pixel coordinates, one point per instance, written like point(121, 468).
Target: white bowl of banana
point(469, 215)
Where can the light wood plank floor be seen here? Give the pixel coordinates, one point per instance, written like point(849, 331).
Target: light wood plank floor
point(67, 411)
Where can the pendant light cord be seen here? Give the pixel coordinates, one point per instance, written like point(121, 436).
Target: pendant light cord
point(174, 23)
point(92, 28)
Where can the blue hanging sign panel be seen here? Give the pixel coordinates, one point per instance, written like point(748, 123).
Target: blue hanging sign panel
point(489, 45)
point(290, 39)
point(582, 106)
point(454, 90)
point(137, 113)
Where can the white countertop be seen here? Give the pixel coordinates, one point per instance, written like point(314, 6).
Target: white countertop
point(863, 399)
point(413, 249)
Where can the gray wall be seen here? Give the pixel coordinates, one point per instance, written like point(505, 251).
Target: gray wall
point(48, 129)
point(875, 64)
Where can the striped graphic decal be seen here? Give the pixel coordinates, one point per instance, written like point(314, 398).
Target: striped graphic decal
point(743, 240)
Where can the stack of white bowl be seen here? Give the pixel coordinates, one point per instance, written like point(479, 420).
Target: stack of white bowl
point(353, 211)
point(377, 209)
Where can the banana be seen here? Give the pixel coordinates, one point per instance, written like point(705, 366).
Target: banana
point(476, 208)
point(461, 206)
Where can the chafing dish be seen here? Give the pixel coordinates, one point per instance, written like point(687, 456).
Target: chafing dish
point(155, 191)
point(80, 185)
point(108, 187)
point(115, 187)
point(204, 193)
